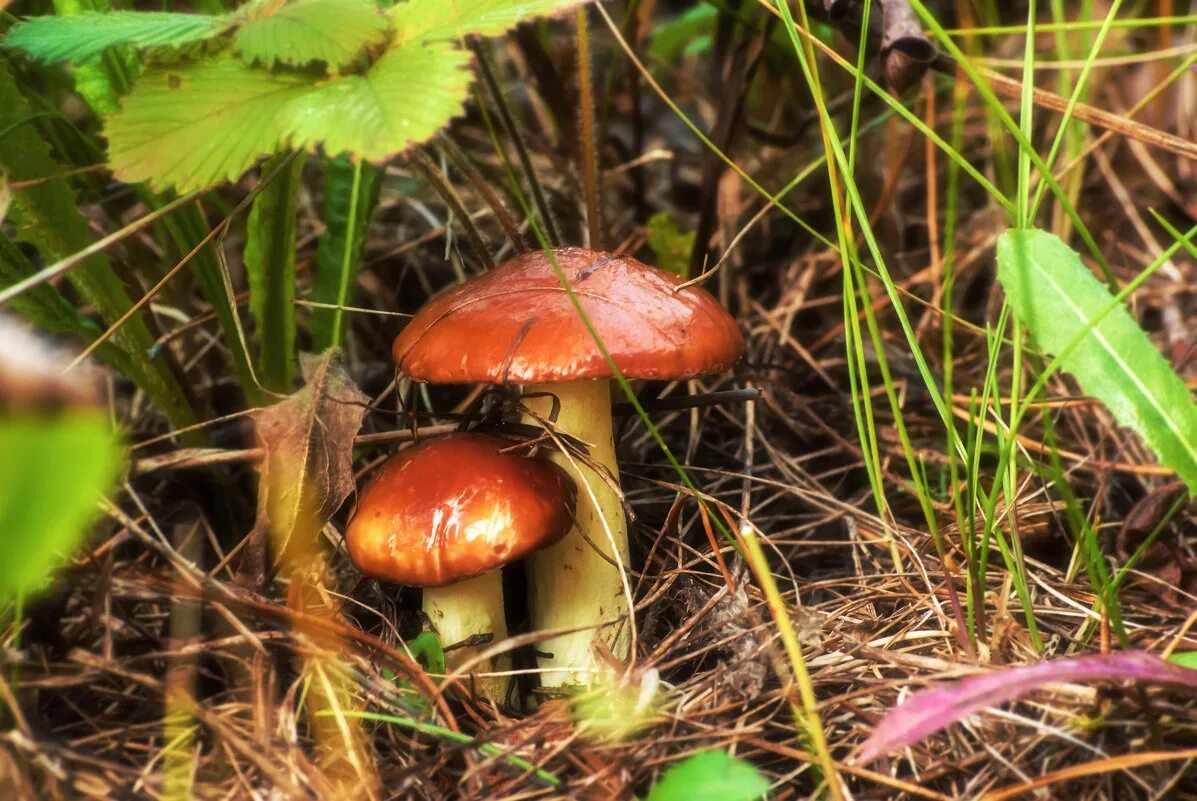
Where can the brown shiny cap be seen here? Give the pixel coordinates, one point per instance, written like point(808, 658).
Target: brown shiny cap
point(454, 507)
point(516, 324)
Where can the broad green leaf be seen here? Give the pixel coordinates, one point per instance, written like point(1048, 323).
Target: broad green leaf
point(408, 95)
point(450, 20)
point(671, 246)
point(195, 126)
point(1186, 659)
point(270, 266)
point(1058, 299)
point(44, 509)
point(46, 215)
point(350, 196)
point(426, 647)
point(710, 776)
point(80, 37)
point(332, 31)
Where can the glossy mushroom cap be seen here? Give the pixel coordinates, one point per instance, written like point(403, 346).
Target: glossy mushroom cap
point(454, 507)
point(516, 324)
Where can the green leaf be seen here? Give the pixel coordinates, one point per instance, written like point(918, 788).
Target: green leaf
point(1058, 299)
point(78, 38)
point(195, 126)
point(350, 196)
point(426, 647)
point(710, 776)
point(450, 20)
point(332, 31)
point(671, 246)
point(102, 79)
point(44, 510)
point(408, 95)
point(270, 265)
point(198, 125)
point(689, 33)
point(1186, 659)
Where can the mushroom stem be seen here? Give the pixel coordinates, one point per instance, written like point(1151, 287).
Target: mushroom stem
point(571, 584)
point(463, 610)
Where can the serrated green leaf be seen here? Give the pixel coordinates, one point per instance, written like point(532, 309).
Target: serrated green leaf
point(1058, 298)
point(710, 776)
point(408, 95)
point(332, 31)
point(350, 196)
point(451, 20)
point(78, 38)
point(195, 126)
point(44, 511)
point(270, 266)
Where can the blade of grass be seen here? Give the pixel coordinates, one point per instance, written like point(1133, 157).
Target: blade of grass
point(270, 268)
point(351, 190)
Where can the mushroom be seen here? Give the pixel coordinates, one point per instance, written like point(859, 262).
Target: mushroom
point(516, 324)
point(444, 514)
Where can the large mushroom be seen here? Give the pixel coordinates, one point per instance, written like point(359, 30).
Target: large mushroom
point(445, 515)
point(517, 325)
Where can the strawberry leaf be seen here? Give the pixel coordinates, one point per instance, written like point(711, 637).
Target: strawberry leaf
point(408, 95)
point(332, 31)
point(451, 20)
point(78, 38)
point(198, 125)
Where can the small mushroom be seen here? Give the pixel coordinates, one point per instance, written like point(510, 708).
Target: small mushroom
point(516, 325)
point(444, 514)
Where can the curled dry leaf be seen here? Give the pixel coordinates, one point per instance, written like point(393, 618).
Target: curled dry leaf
point(307, 469)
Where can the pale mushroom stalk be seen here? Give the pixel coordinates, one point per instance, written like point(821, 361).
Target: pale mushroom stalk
point(576, 584)
point(466, 609)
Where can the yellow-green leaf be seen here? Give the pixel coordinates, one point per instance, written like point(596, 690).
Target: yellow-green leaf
point(408, 95)
point(52, 471)
point(332, 31)
point(450, 20)
point(194, 126)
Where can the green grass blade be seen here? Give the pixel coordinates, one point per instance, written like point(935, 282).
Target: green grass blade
point(46, 215)
point(270, 267)
point(351, 190)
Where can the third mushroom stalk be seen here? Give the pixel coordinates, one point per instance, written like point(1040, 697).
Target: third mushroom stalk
point(516, 325)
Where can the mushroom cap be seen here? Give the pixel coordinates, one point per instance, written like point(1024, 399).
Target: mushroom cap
point(516, 324)
point(454, 507)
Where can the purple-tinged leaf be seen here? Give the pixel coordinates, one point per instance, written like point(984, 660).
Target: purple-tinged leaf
point(927, 712)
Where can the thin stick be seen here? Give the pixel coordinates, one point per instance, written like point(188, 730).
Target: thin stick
point(590, 171)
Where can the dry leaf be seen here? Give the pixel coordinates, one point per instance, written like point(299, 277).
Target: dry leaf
point(307, 471)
